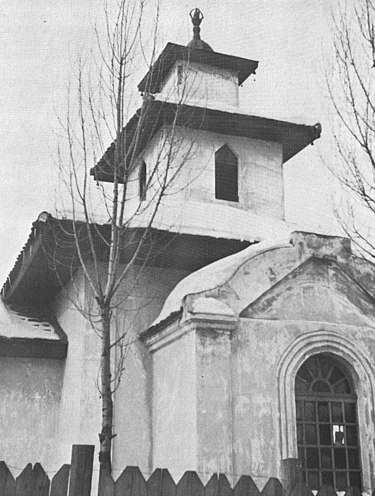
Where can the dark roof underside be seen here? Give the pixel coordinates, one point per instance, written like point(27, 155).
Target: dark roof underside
point(33, 348)
point(144, 125)
point(154, 78)
point(49, 258)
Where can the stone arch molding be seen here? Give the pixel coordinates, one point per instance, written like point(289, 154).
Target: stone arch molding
point(362, 370)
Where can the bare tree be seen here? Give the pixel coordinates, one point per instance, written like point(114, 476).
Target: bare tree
point(100, 103)
point(351, 91)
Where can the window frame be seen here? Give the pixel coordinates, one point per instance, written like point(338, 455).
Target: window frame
point(339, 457)
point(223, 172)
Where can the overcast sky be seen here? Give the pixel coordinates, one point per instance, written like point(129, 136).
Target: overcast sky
point(40, 40)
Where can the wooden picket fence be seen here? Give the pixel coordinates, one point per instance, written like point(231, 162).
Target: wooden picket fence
point(34, 481)
point(71, 480)
point(76, 479)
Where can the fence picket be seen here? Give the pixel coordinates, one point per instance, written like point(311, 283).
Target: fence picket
point(154, 483)
point(81, 470)
point(190, 485)
point(7, 482)
point(33, 481)
point(273, 487)
point(60, 481)
point(301, 489)
point(160, 483)
point(41, 483)
point(246, 487)
point(130, 483)
point(225, 488)
point(212, 486)
point(352, 491)
point(326, 491)
point(24, 482)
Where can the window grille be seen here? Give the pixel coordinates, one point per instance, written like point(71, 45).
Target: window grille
point(327, 426)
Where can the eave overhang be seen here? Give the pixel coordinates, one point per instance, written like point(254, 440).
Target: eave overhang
point(50, 258)
point(172, 52)
point(293, 137)
point(33, 348)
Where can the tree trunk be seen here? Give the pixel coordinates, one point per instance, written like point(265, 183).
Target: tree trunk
point(106, 435)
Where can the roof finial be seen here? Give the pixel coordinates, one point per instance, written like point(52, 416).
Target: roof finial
point(196, 17)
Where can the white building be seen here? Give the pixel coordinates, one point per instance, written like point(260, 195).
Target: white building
point(254, 351)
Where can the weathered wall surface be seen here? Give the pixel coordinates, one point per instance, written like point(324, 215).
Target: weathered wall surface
point(259, 418)
point(133, 401)
point(30, 391)
point(260, 176)
point(197, 84)
point(175, 407)
point(260, 182)
point(214, 403)
point(140, 299)
point(80, 404)
point(292, 302)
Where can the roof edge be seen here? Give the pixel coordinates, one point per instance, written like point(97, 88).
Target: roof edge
point(172, 52)
point(33, 348)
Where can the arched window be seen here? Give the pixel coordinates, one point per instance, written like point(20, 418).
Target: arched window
point(226, 174)
point(142, 180)
point(327, 426)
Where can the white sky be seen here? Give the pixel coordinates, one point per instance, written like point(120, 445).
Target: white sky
point(40, 39)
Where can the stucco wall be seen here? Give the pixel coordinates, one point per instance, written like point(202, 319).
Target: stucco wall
point(140, 299)
point(192, 83)
point(133, 401)
point(175, 439)
point(80, 406)
point(260, 176)
point(260, 416)
point(214, 403)
point(30, 391)
point(292, 301)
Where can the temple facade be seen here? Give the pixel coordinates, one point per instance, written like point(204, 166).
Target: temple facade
point(252, 347)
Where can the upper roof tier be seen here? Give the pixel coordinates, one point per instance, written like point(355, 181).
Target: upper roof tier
point(197, 51)
point(293, 137)
point(155, 77)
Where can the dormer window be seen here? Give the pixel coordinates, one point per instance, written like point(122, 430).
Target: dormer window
point(226, 174)
point(142, 181)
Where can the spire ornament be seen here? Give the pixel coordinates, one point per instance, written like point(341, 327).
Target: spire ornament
point(197, 17)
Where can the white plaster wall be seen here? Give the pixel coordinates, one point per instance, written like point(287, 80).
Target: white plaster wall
point(148, 288)
point(260, 172)
point(80, 403)
point(255, 401)
point(175, 407)
point(30, 391)
point(201, 85)
point(219, 404)
point(140, 300)
point(257, 350)
point(214, 403)
point(259, 178)
point(245, 387)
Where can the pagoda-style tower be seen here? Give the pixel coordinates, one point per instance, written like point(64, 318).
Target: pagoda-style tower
point(231, 185)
